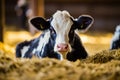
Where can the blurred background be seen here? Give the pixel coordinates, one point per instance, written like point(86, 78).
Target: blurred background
point(14, 16)
point(105, 12)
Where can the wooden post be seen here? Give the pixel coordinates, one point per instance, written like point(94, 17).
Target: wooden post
point(2, 19)
point(37, 7)
point(40, 8)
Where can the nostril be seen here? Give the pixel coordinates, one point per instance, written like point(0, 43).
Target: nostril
point(58, 46)
point(66, 46)
point(62, 47)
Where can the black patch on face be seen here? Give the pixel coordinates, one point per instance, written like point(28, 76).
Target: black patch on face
point(72, 33)
point(52, 33)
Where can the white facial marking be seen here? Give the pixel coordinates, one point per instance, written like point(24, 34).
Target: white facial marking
point(24, 50)
point(62, 24)
point(61, 56)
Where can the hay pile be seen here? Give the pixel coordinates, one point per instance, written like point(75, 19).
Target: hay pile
point(105, 65)
point(104, 56)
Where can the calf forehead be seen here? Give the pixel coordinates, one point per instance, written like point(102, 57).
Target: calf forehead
point(61, 20)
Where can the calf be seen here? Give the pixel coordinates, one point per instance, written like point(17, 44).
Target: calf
point(115, 42)
point(59, 39)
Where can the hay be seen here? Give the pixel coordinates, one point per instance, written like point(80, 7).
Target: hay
point(104, 56)
point(104, 65)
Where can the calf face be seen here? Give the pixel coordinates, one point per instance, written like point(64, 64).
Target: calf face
point(60, 38)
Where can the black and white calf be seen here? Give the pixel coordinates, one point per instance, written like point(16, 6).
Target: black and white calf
point(59, 39)
point(115, 42)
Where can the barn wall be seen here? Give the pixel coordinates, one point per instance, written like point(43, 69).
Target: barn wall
point(106, 13)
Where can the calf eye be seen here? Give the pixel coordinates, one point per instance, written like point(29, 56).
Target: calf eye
point(71, 34)
point(53, 33)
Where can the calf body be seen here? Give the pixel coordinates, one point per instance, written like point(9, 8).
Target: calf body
point(59, 39)
point(115, 42)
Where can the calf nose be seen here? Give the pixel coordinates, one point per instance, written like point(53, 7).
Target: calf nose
point(62, 47)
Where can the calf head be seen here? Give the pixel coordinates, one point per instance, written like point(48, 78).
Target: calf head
point(62, 27)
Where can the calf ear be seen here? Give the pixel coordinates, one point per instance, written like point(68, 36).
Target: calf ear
point(84, 22)
point(39, 23)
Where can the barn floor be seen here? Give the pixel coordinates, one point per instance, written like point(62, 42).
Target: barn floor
point(102, 64)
